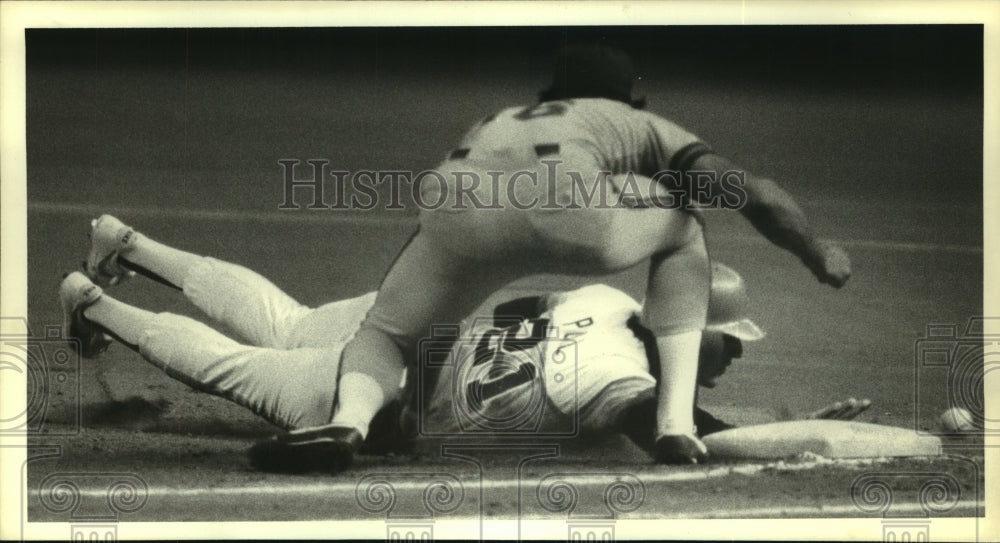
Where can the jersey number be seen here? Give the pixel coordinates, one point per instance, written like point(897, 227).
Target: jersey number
point(502, 377)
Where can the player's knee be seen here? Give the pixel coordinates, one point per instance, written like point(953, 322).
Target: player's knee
point(687, 231)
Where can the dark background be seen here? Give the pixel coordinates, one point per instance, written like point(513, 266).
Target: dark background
point(213, 110)
point(888, 55)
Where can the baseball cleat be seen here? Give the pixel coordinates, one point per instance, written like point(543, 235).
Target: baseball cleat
point(705, 423)
point(327, 449)
point(679, 449)
point(109, 238)
point(77, 293)
point(385, 435)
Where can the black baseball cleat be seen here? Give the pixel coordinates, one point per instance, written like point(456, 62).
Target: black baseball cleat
point(386, 435)
point(708, 424)
point(679, 449)
point(328, 449)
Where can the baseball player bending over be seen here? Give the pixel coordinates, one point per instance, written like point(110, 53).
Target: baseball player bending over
point(279, 372)
point(514, 204)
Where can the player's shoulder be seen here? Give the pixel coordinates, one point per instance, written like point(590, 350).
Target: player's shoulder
point(513, 111)
point(564, 109)
point(565, 105)
point(613, 113)
point(615, 107)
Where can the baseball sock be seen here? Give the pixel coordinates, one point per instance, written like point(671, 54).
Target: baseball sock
point(678, 382)
point(359, 398)
point(125, 322)
point(159, 261)
point(370, 371)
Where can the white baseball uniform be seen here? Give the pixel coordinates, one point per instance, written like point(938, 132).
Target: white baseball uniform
point(281, 372)
point(539, 375)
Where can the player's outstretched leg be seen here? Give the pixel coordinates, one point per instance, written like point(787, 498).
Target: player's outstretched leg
point(241, 299)
point(676, 311)
point(94, 318)
point(117, 252)
point(76, 294)
point(421, 289)
point(371, 373)
point(426, 285)
point(286, 387)
point(330, 447)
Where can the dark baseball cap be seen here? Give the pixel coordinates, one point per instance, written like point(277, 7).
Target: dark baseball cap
point(592, 70)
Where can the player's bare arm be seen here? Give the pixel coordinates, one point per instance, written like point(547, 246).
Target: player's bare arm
point(776, 215)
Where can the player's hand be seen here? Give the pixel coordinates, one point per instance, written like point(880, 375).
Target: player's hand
point(829, 263)
point(846, 410)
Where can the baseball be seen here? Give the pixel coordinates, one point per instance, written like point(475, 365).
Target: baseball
point(956, 419)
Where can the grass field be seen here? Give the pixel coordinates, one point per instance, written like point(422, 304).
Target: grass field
point(180, 134)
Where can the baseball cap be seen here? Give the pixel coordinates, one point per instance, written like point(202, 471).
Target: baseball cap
point(592, 70)
point(728, 303)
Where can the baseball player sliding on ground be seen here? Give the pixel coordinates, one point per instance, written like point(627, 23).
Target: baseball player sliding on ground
point(278, 372)
point(521, 195)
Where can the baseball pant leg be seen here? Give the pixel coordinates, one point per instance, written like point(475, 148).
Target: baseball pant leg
point(243, 300)
point(286, 387)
